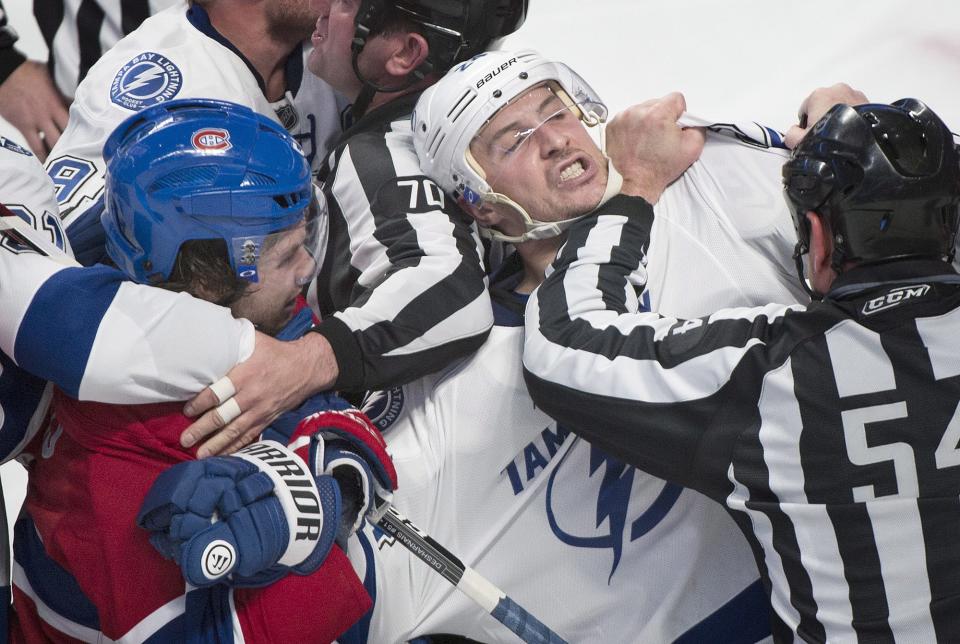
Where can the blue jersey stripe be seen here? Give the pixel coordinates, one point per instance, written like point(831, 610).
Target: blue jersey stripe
point(61, 323)
point(20, 395)
point(51, 582)
point(742, 620)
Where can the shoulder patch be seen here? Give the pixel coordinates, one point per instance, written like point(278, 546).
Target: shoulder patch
point(383, 408)
point(13, 147)
point(147, 79)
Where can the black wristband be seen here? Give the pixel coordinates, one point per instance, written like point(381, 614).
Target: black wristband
point(346, 350)
point(10, 59)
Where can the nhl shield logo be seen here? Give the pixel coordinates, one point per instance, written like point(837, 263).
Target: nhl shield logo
point(211, 138)
point(148, 79)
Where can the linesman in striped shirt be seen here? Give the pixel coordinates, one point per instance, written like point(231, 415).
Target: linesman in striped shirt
point(830, 431)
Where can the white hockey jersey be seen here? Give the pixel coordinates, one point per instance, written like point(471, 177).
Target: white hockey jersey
point(133, 362)
point(178, 54)
point(598, 551)
point(723, 235)
point(110, 345)
point(25, 191)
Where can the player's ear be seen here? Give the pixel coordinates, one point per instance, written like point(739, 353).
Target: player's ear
point(821, 252)
point(408, 51)
point(820, 242)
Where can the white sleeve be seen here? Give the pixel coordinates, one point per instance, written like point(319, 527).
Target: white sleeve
point(154, 345)
point(102, 338)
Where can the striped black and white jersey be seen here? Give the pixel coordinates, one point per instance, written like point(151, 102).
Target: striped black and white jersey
point(597, 550)
point(78, 32)
point(402, 279)
point(10, 58)
point(830, 432)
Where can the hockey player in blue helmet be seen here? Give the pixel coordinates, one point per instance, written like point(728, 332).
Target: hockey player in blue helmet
point(226, 212)
point(211, 198)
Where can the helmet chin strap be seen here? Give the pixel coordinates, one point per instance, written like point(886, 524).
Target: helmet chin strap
point(536, 229)
point(798, 252)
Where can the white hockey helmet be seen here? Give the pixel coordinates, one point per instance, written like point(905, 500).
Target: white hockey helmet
point(451, 113)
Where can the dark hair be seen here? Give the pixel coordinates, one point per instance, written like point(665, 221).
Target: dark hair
point(203, 270)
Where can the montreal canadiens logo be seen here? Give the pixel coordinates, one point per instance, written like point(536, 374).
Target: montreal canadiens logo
point(148, 79)
point(217, 559)
point(211, 139)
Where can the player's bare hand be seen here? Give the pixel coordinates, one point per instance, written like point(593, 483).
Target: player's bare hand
point(278, 377)
point(816, 105)
point(32, 104)
point(649, 149)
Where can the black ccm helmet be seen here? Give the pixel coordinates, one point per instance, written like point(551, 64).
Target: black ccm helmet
point(886, 177)
point(455, 30)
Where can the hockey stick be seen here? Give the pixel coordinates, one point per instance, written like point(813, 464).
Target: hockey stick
point(467, 580)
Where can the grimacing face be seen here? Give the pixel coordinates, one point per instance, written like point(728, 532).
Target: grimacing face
point(536, 151)
point(284, 262)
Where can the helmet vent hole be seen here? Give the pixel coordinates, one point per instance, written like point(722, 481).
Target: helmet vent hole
point(465, 100)
point(195, 176)
point(286, 201)
point(436, 142)
point(256, 179)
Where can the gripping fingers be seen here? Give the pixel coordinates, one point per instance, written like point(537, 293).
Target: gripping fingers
point(225, 426)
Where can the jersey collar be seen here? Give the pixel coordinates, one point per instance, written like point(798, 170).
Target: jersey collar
point(864, 278)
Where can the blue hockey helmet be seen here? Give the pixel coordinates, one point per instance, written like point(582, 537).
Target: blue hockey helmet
point(195, 169)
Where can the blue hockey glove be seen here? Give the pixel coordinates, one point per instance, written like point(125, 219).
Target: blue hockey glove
point(247, 519)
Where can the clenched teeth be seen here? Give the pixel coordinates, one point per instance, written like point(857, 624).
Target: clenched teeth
point(572, 171)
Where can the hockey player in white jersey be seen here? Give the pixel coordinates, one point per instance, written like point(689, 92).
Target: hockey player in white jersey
point(28, 196)
point(599, 551)
point(198, 49)
point(178, 53)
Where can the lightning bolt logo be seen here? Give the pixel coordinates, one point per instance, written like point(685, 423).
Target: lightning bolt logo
point(142, 78)
point(146, 79)
point(613, 505)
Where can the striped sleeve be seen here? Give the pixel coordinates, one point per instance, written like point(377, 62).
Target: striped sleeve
point(404, 271)
point(10, 57)
point(647, 388)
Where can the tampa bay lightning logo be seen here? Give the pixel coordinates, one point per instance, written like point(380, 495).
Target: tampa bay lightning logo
point(148, 79)
point(383, 408)
point(613, 506)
